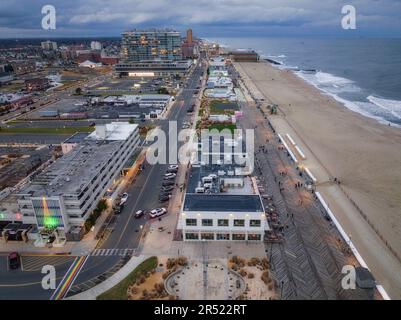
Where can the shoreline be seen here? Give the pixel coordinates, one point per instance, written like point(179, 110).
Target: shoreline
point(371, 104)
point(357, 150)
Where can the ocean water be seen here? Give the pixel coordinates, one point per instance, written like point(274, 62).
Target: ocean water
point(363, 74)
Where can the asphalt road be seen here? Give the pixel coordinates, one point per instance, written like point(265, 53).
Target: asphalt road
point(26, 285)
point(143, 194)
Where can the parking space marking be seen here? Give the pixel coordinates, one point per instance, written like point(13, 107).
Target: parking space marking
point(36, 263)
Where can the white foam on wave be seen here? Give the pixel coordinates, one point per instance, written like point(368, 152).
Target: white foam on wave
point(367, 109)
point(329, 82)
point(392, 106)
point(281, 56)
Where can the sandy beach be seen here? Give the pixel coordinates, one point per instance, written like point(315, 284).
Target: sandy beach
point(364, 155)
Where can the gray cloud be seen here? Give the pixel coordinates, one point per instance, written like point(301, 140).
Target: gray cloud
point(105, 17)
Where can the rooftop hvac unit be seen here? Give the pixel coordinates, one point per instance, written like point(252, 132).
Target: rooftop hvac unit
point(101, 131)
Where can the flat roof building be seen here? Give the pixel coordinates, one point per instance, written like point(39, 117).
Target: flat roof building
point(64, 194)
point(220, 205)
point(244, 56)
point(151, 68)
point(68, 144)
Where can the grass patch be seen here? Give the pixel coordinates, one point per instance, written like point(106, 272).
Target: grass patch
point(223, 107)
point(66, 130)
point(221, 126)
point(119, 291)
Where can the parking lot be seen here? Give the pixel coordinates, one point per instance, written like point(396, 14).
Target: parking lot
point(135, 85)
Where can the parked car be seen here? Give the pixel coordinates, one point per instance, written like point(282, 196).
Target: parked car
point(157, 212)
point(168, 183)
point(118, 209)
point(139, 214)
point(164, 197)
point(173, 167)
point(171, 170)
point(124, 198)
point(168, 176)
point(165, 193)
point(14, 260)
point(167, 188)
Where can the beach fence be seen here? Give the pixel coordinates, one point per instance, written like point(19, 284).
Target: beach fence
point(365, 217)
point(292, 155)
point(347, 239)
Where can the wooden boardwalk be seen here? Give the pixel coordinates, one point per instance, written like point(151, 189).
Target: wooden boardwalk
point(307, 264)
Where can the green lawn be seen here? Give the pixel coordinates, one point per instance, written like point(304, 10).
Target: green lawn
point(221, 126)
point(119, 291)
point(218, 107)
point(66, 130)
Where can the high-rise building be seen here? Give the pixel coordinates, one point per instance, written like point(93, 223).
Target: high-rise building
point(189, 36)
point(49, 45)
point(142, 45)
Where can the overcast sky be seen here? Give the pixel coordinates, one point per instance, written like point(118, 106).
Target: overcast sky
point(208, 18)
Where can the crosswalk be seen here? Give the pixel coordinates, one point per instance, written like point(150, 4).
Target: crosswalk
point(113, 252)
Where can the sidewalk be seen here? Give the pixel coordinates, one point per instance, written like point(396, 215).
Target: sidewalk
point(109, 283)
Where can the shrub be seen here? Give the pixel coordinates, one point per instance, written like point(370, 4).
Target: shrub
point(170, 263)
point(182, 261)
point(242, 272)
point(159, 287)
point(251, 275)
point(265, 264)
point(265, 277)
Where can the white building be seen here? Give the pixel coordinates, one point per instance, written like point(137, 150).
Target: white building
point(222, 208)
point(96, 45)
point(61, 198)
point(220, 83)
point(217, 63)
point(221, 93)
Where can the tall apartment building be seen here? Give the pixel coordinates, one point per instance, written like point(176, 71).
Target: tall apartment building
point(49, 45)
point(62, 197)
point(142, 45)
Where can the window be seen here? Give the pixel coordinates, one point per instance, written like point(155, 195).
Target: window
point(191, 236)
point(254, 223)
point(207, 222)
point(239, 223)
point(254, 237)
point(190, 222)
point(237, 236)
point(223, 236)
point(222, 222)
point(207, 236)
